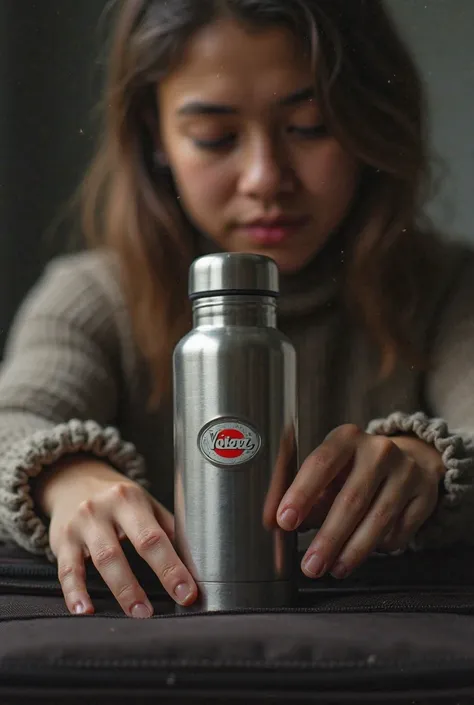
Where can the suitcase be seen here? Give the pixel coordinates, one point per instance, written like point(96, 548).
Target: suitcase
point(400, 630)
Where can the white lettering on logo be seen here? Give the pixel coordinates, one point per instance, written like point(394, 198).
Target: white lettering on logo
point(229, 442)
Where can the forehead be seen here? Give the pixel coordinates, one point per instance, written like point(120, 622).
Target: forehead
point(244, 65)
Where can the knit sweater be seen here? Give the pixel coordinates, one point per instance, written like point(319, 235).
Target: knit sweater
point(72, 380)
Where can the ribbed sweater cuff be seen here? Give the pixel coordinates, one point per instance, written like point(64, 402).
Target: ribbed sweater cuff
point(453, 519)
point(26, 458)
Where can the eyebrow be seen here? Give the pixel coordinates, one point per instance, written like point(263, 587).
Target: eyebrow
point(197, 107)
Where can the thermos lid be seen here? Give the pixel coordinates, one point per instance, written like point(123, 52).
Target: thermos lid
point(233, 273)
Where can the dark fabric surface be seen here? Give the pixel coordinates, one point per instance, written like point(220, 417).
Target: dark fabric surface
point(343, 639)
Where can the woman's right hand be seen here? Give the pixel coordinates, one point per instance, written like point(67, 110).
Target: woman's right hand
point(92, 507)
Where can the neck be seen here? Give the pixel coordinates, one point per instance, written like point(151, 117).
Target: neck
point(234, 310)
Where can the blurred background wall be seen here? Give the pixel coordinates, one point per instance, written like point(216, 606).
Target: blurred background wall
point(440, 33)
point(50, 78)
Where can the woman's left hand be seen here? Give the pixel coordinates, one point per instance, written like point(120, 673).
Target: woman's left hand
point(370, 492)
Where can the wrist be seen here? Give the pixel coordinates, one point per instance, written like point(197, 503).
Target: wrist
point(64, 477)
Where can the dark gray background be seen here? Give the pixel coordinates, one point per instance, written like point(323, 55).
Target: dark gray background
point(49, 83)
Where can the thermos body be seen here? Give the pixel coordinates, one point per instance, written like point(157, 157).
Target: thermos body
point(235, 416)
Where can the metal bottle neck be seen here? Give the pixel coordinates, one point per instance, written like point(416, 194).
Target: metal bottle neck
point(235, 310)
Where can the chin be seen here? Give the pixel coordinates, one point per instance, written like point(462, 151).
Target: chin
point(288, 262)
point(287, 265)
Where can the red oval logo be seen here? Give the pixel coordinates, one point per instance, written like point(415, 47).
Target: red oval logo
point(229, 442)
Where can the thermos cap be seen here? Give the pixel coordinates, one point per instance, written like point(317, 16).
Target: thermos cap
point(233, 273)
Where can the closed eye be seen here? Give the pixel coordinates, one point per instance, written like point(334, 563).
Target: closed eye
point(217, 144)
point(310, 132)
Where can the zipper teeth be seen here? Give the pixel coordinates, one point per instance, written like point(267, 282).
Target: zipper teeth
point(328, 609)
point(388, 596)
point(464, 608)
point(48, 571)
point(12, 575)
point(8, 571)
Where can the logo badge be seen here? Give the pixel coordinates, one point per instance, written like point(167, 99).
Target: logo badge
point(229, 442)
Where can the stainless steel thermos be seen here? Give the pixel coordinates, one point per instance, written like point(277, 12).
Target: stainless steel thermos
point(235, 435)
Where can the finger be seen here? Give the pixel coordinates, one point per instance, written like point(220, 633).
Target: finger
point(324, 502)
point(391, 541)
point(154, 546)
point(411, 520)
point(375, 459)
point(385, 542)
point(393, 530)
point(109, 559)
point(317, 471)
point(283, 474)
point(385, 512)
point(72, 576)
point(164, 517)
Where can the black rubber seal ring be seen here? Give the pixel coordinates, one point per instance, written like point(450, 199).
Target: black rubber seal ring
point(233, 292)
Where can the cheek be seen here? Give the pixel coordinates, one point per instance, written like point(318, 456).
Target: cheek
point(330, 175)
point(201, 186)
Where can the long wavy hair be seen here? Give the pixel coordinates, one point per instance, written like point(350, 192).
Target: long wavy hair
point(372, 100)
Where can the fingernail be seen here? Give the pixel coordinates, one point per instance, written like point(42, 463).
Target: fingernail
point(314, 565)
point(141, 611)
point(339, 571)
point(183, 593)
point(289, 519)
point(79, 608)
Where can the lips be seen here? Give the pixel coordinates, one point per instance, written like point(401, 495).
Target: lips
point(273, 231)
point(278, 222)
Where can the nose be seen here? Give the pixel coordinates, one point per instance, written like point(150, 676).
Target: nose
point(265, 173)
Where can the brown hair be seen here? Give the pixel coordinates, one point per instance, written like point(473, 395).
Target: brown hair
point(372, 99)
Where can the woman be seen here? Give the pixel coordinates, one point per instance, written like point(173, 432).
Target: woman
point(291, 128)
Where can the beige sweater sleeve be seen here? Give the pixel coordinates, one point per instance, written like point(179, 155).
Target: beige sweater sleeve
point(448, 420)
point(58, 389)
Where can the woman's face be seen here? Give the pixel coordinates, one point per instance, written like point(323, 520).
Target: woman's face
point(254, 166)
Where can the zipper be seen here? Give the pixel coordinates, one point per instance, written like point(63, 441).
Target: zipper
point(20, 570)
point(384, 604)
point(345, 604)
point(12, 573)
point(41, 580)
